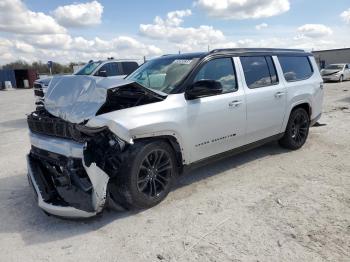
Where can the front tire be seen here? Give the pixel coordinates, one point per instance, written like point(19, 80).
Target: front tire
point(297, 130)
point(341, 78)
point(146, 176)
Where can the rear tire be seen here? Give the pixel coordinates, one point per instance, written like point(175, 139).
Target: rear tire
point(146, 176)
point(297, 130)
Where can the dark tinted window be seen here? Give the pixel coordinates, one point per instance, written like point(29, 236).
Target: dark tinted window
point(259, 71)
point(128, 67)
point(111, 69)
point(295, 67)
point(221, 70)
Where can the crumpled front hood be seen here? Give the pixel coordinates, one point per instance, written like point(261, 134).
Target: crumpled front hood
point(77, 98)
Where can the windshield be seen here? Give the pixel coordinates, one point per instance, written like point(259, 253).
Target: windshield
point(88, 68)
point(164, 73)
point(335, 67)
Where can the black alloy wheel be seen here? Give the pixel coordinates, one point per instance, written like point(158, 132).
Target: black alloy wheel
point(297, 129)
point(147, 173)
point(154, 173)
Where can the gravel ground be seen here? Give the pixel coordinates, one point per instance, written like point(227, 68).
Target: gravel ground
point(267, 204)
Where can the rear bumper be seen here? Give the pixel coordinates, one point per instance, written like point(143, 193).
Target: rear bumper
point(314, 121)
point(63, 184)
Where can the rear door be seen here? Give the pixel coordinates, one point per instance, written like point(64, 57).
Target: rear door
point(265, 97)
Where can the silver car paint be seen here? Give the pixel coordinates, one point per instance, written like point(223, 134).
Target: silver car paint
point(202, 127)
point(257, 114)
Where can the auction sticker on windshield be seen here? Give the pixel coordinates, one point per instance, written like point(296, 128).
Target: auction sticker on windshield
point(183, 61)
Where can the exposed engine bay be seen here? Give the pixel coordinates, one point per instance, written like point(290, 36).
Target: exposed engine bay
point(71, 164)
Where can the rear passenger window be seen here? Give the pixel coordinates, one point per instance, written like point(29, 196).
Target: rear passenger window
point(222, 70)
point(129, 67)
point(259, 71)
point(295, 68)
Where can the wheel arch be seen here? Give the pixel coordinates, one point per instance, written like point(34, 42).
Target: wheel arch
point(305, 106)
point(300, 104)
point(174, 144)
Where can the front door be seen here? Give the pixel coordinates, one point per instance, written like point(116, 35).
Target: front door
point(217, 123)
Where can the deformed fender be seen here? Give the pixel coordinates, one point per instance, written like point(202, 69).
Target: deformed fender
point(116, 128)
point(129, 137)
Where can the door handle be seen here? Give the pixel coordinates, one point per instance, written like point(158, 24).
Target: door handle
point(235, 103)
point(279, 94)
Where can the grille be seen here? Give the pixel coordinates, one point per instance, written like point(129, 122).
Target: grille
point(38, 86)
point(38, 93)
point(41, 122)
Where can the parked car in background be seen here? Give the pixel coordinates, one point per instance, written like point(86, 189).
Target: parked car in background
point(108, 68)
point(125, 142)
point(336, 72)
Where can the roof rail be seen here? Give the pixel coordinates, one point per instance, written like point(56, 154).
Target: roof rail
point(241, 50)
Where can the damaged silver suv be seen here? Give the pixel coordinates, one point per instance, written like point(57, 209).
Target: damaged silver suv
point(101, 141)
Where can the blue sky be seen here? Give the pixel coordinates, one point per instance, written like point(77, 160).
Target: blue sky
point(63, 30)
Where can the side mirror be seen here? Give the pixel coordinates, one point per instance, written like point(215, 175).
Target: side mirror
point(203, 88)
point(102, 73)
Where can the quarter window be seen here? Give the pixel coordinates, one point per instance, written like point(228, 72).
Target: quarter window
point(259, 71)
point(295, 68)
point(222, 70)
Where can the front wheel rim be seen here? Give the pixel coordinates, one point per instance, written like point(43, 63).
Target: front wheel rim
point(155, 173)
point(299, 128)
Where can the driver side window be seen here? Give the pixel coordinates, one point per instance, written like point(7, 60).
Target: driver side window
point(221, 70)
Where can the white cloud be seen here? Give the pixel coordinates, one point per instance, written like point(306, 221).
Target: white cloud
point(36, 36)
point(24, 47)
point(261, 26)
point(16, 18)
point(314, 30)
point(65, 48)
point(243, 9)
point(60, 41)
point(346, 16)
point(171, 30)
point(79, 15)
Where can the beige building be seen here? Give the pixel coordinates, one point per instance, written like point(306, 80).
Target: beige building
point(332, 56)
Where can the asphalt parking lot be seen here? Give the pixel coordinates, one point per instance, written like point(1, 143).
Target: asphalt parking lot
point(268, 204)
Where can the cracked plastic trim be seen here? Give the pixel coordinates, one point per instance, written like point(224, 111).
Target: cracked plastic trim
point(98, 177)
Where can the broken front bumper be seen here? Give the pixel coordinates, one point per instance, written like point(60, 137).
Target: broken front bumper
point(64, 185)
